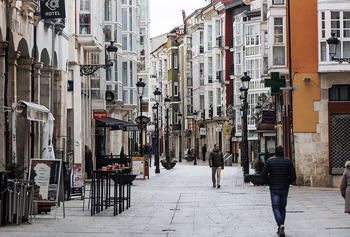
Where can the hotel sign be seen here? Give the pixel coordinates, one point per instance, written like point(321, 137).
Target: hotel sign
point(51, 9)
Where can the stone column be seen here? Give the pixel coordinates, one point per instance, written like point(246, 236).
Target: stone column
point(3, 45)
point(23, 125)
point(45, 88)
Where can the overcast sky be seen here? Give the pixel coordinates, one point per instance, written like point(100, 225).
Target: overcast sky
point(166, 14)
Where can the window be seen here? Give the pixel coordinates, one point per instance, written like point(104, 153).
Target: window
point(116, 71)
point(108, 33)
point(210, 69)
point(278, 2)
point(131, 72)
point(125, 19)
point(131, 42)
point(278, 30)
point(218, 62)
point(201, 101)
point(175, 61)
point(278, 55)
point(84, 5)
point(108, 10)
point(210, 98)
point(116, 92)
point(109, 74)
point(125, 41)
point(125, 96)
point(130, 18)
point(217, 28)
point(210, 37)
point(252, 40)
point(84, 23)
point(125, 73)
point(201, 42)
point(176, 88)
point(131, 97)
point(339, 93)
point(218, 96)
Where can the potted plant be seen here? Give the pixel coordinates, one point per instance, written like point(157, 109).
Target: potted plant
point(173, 161)
point(256, 178)
point(123, 157)
point(17, 171)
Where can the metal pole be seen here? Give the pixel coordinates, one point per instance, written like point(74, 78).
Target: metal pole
point(167, 140)
point(195, 142)
point(157, 143)
point(245, 136)
point(141, 145)
point(53, 68)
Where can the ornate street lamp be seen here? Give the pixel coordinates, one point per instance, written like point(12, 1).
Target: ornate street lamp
point(140, 89)
point(244, 95)
point(110, 57)
point(157, 94)
point(179, 116)
point(167, 156)
point(333, 45)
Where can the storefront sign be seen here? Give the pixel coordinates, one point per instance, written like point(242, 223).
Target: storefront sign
point(51, 9)
point(77, 174)
point(100, 114)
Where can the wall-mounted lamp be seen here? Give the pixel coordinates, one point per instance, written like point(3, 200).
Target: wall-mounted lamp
point(307, 79)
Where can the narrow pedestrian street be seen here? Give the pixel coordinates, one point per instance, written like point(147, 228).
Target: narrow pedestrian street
point(182, 202)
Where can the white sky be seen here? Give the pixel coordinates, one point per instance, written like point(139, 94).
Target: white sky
point(166, 14)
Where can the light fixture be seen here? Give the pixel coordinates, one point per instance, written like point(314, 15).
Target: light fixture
point(110, 54)
point(333, 47)
point(167, 102)
point(140, 87)
point(245, 81)
point(157, 93)
point(154, 109)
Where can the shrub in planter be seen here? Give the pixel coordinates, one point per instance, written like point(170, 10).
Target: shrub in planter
point(16, 170)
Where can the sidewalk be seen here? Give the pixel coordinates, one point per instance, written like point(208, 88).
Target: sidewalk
point(182, 202)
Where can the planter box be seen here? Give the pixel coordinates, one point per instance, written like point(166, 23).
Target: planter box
point(172, 164)
point(256, 179)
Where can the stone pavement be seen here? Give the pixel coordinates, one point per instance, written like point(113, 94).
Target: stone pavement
point(182, 202)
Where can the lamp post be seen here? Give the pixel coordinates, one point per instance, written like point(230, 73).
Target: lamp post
point(333, 43)
point(167, 156)
point(140, 89)
point(179, 115)
point(157, 94)
point(110, 57)
point(244, 94)
point(195, 137)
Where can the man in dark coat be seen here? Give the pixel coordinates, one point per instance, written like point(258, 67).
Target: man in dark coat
point(279, 173)
point(216, 162)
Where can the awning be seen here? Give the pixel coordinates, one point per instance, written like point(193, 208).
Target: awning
point(116, 124)
point(34, 111)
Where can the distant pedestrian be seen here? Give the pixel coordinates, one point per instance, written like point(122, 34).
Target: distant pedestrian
point(345, 186)
point(279, 173)
point(204, 151)
point(216, 162)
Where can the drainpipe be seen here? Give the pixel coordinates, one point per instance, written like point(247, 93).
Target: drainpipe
point(6, 74)
point(291, 136)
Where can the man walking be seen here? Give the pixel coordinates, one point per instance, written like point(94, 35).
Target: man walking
point(204, 151)
point(216, 162)
point(279, 173)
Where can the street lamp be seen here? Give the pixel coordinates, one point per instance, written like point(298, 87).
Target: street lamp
point(244, 94)
point(333, 43)
point(195, 137)
point(179, 115)
point(110, 57)
point(157, 94)
point(140, 89)
point(167, 157)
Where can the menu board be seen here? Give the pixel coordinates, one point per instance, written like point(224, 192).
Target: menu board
point(138, 167)
point(46, 175)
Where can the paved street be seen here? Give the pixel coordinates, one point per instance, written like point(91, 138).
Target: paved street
point(182, 202)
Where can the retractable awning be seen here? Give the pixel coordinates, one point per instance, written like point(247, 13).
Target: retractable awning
point(116, 124)
point(35, 112)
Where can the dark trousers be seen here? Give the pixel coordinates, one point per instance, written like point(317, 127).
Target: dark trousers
point(204, 156)
point(279, 203)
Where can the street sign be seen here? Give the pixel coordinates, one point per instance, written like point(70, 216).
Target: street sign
point(268, 117)
point(227, 130)
point(218, 129)
point(202, 131)
point(142, 120)
point(100, 114)
point(167, 129)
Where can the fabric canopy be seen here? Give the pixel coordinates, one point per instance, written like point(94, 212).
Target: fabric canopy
point(34, 112)
point(116, 124)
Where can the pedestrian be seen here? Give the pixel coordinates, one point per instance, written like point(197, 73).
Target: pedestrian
point(216, 162)
point(204, 151)
point(279, 173)
point(345, 186)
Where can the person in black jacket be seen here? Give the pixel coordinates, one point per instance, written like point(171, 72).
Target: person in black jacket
point(279, 173)
point(216, 162)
